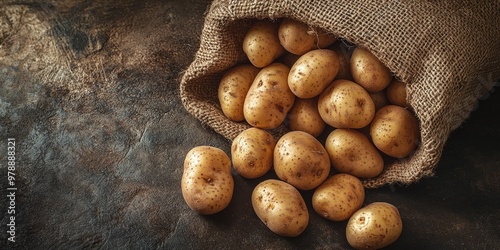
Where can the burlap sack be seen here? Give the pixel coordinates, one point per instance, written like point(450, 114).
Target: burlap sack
point(447, 51)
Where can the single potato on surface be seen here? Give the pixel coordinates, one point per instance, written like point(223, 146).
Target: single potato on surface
point(207, 184)
point(396, 93)
point(233, 88)
point(345, 104)
point(395, 131)
point(298, 38)
point(368, 71)
point(261, 43)
point(304, 116)
point(269, 98)
point(312, 72)
point(352, 152)
point(338, 197)
point(252, 152)
point(374, 226)
point(301, 160)
point(280, 207)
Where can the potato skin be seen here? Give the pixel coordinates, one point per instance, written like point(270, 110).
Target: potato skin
point(252, 152)
point(269, 98)
point(233, 88)
point(298, 38)
point(345, 104)
point(301, 160)
point(352, 152)
point(395, 131)
point(338, 197)
point(294, 38)
point(261, 43)
point(312, 72)
point(396, 93)
point(379, 99)
point(374, 226)
point(304, 116)
point(280, 207)
point(368, 71)
point(288, 59)
point(344, 58)
point(207, 184)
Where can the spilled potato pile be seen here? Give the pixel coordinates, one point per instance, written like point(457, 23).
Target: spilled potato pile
point(305, 79)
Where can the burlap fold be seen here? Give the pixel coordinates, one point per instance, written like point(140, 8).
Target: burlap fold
point(446, 51)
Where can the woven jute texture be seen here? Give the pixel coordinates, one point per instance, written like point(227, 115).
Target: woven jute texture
point(448, 53)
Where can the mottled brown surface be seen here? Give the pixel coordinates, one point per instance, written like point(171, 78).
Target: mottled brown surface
point(89, 90)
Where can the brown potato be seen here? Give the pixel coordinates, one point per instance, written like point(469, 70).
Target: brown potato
point(288, 59)
point(375, 226)
point(323, 38)
point(338, 197)
point(261, 43)
point(294, 37)
point(269, 98)
point(379, 99)
point(352, 152)
point(396, 93)
point(395, 131)
point(312, 72)
point(280, 207)
point(301, 160)
point(344, 58)
point(233, 88)
point(345, 104)
point(252, 152)
point(298, 38)
point(368, 71)
point(304, 116)
point(207, 184)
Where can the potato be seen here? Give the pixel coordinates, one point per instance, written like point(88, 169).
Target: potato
point(395, 131)
point(304, 116)
point(233, 88)
point(294, 37)
point(396, 93)
point(252, 152)
point(288, 59)
point(207, 184)
point(345, 104)
point(298, 38)
point(269, 98)
point(374, 226)
point(323, 38)
point(280, 207)
point(312, 72)
point(379, 99)
point(261, 43)
point(368, 71)
point(344, 59)
point(352, 152)
point(301, 160)
point(338, 197)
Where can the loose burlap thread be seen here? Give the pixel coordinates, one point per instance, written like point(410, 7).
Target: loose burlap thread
point(446, 51)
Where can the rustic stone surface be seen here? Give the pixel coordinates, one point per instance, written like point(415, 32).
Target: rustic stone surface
point(89, 90)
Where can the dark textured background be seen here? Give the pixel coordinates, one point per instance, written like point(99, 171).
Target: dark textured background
point(89, 90)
